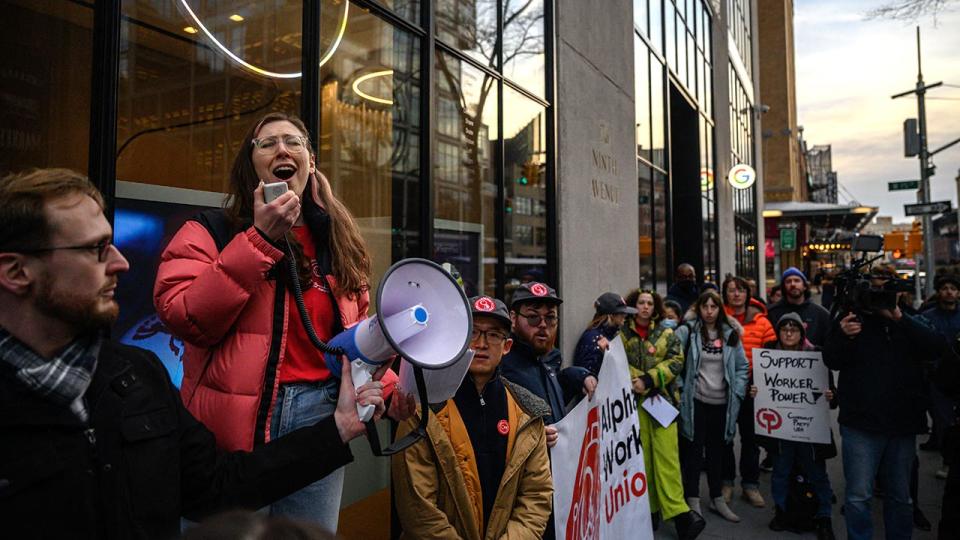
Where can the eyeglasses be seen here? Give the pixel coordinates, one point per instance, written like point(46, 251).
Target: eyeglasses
point(268, 145)
point(789, 329)
point(536, 319)
point(493, 337)
point(102, 247)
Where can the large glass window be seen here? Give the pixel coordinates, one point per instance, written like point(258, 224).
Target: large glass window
point(370, 134)
point(523, 47)
point(657, 115)
point(642, 99)
point(524, 176)
point(194, 76)
point(469, 26)
point(661, 213)
point(645, 234)
point(465, 178)
point(45, 84)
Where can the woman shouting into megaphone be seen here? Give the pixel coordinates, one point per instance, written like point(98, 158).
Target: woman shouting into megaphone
point(251, 372)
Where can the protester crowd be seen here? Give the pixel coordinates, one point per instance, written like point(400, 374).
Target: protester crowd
point(94, 432)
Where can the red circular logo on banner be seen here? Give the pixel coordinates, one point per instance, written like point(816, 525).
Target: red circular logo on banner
point(769, 419)
point(539, 289)
point(503, 427)
point(484, 303)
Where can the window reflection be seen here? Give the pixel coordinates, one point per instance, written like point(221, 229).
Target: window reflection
point(523, 46)
point(408, 9)
point(524, 176)
point(370, 134)
point(186, 97)
point(45, 84)
point(660, 212)
point(469, 26)
point(645, 233)
point(657, 113)
point(464, 173)
point(643, 98)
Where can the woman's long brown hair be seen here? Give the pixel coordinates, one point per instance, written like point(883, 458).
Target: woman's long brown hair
point(722, 319)
point(350, 259)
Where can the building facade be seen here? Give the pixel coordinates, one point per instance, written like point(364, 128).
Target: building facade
point(537, 140)
point(822, 179)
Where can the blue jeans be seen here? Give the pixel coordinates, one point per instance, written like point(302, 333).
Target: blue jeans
point(801, 454)
point(865, 455)
point(300, 405)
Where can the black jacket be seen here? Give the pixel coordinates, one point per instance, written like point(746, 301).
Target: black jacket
point(881, 373)
point(542, 376)
point(141, 463)
point(815, 317)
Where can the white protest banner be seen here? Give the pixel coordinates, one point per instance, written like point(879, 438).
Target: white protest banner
point(605, 494)
point(791, 402)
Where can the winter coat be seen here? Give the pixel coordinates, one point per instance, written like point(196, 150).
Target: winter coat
point(820, 451)
point(881, 386)
point(757, 329)
point(542, 376)
point(588, 353)
point(659, 368)
point(947, 324)
point(815, 318)
point(437, 488)
point(140, 463)
point(735, 372)
point(229, 308)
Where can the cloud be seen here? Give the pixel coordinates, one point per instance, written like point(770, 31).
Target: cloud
point(847, 69)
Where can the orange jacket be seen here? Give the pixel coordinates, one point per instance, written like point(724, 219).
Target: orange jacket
point(757, 329)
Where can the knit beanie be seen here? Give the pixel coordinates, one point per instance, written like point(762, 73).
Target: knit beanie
point(793, 271)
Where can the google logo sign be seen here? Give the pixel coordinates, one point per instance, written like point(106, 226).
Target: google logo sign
point(742, 176)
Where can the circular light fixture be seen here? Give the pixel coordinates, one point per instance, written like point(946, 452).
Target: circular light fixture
point(258, 70)
point(367, 77)
point(742, 176)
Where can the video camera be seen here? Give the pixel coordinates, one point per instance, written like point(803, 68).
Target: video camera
point(855, 289)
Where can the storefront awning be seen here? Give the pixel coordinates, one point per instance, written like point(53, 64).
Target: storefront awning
point(823, 215)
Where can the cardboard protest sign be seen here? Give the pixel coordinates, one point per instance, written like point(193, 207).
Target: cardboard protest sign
point(790, 402)
point(600, 486)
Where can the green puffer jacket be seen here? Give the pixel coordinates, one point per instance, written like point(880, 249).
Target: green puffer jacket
point(662, 365)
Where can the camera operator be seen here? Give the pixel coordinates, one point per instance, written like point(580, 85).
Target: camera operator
point(879, 352)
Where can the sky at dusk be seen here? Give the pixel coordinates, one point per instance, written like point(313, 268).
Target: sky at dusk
point(848, 66)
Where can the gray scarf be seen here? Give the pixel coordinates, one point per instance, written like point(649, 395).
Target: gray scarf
point(62, 379)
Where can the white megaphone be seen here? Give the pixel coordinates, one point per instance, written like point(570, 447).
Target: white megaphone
point(422, 315)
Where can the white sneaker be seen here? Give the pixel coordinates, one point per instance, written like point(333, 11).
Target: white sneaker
point(694, 504)
point(943, 472)
point(719, 506)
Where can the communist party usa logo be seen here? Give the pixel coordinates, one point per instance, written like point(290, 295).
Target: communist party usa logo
point(583, 522)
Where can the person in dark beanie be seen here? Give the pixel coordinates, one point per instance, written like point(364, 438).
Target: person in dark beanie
point(945, 317)
point(796, 299)
point(611, 311)
point(808, 457)
point(880, 355)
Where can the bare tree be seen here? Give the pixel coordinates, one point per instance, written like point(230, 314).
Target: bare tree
point(910, 10)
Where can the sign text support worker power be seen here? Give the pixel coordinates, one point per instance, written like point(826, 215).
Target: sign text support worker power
point(791, 402)
point(600, 486)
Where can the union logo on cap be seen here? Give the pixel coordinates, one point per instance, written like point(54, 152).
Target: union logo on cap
point(484, 303)
point(539, 289)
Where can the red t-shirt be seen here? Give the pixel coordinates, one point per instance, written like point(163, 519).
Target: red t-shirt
point(302, 361)
point(642, 331)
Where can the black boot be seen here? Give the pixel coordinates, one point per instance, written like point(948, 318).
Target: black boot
point(920, 521)
point(655, 520)
point(778, 523)
point(824, 528)
point(689, 525)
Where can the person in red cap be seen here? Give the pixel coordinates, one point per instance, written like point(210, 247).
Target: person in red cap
point(489, 431)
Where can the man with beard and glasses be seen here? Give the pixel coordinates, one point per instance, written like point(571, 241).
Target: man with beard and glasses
point(94, 440)
point(684, 290)
point(796, 299)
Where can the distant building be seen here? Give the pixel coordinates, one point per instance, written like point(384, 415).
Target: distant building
point(821, 178)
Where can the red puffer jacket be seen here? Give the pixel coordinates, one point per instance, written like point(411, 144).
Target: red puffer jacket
point(232, 317)
point(757, 330)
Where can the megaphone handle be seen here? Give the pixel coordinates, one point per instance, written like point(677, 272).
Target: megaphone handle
point(362, 372)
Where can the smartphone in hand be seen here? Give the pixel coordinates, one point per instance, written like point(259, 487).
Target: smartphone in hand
point(274, 190)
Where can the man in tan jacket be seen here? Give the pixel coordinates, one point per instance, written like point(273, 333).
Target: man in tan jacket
point(483, 471)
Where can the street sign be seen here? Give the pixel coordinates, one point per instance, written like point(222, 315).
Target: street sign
point(903, 184)
point(788, 239)
point(922, 209)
